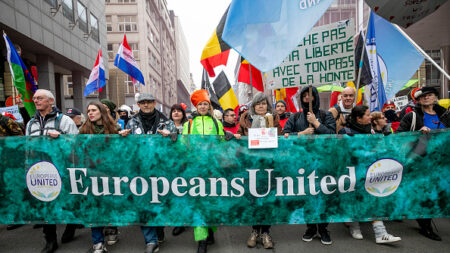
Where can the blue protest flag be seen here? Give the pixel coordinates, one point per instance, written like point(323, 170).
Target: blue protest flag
point(400, 59)
point(266, 31)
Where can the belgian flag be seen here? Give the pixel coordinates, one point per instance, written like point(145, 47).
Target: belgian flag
point(206, 85)
point(216, 51)
point(250, 75)
point(224, 92)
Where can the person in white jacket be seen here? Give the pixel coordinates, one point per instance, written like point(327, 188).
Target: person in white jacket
point(49, 120)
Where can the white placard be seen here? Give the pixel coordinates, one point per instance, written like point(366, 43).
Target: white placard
point(400, 102)
point(259, 138)
point(325, 55)
point(14, 110)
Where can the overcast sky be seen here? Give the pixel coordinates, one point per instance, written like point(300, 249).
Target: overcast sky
point(199, 18)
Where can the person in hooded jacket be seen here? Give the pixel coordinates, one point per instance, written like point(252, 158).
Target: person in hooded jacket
point(259, 115)
point(280, 108)
point(321, 122)
point(203, 123)
point(229, 121)
point(359, 122)
point(426, 115)
point(308, 123)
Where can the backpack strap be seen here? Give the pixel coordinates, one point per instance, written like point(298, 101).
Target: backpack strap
point(189, 126)
point(58, 122)
point(413, 121)
point(217, 125)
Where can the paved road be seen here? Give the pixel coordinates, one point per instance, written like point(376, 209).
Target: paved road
point(232, 239)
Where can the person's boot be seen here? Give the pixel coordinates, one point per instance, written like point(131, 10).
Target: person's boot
point(98, 248)
point(178, 230)
point(160, 233)
point(311, 232)
point(252, 239)
point(68, 234)
point(210, 239)
point(427, 230)
point(13, 226)
point(202, 246)
point(50, 246)
point(111, 235)
point(266, 240)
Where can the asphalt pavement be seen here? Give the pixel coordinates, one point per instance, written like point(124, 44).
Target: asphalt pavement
point(287, 238)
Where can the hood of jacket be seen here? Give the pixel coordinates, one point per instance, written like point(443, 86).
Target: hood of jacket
point(316, 102)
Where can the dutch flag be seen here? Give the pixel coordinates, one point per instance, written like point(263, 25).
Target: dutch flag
point(97, 76)
point(125, 62)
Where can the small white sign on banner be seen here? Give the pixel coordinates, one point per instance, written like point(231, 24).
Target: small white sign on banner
point(259, 138)
point(326, 55)
point(14, 110)
point(400, 102)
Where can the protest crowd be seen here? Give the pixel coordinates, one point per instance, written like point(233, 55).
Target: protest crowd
point(344, 118)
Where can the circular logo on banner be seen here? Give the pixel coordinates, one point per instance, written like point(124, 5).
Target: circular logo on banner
point(383, 177)
point(44, 181)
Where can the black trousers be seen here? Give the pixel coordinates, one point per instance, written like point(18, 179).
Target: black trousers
point(262, 228)
point(424, 223)
point(50, 231)
point(321, 226)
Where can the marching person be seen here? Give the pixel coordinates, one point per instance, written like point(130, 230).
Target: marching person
point(359, 122)
point(309, 123)
point(229, 121)
point(76, 116)
point(280, 108)
point(380, 124)
point(344, 107)
point(260, 115)
point(99, 122)
point(178, 116)
point(49, 120)
point(203, 123)
point(150, 121)
point(426, 115)
point(8, 125)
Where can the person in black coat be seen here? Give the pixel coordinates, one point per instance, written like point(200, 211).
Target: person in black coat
point(427, 115)
point(321, 123)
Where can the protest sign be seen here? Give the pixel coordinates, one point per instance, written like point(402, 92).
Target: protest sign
point(262, 138)
point(206, 180)
point(326, 55)
point(14, 110)
point(400, 102)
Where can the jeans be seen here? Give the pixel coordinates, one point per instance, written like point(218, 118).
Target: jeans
point(150, 235)
point(97, 235)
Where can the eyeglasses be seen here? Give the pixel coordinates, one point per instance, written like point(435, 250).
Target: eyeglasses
point(39, 98)
point(231, 115)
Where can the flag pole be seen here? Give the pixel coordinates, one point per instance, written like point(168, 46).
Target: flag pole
point(422, 51)
point(361, 61)
point(310, 102)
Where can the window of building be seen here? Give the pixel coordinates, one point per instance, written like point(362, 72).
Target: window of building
point(127, 24)
point(433, 75)
point(130, 88)
point(135, 49)
point(68, 87)
point(94, 28)
point(67, 9)
point(126, 1)
point(53, 3)
point(108, 24)
point(82, 17)
point(110, 48)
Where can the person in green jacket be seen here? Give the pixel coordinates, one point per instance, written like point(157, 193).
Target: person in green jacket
point(203, 123)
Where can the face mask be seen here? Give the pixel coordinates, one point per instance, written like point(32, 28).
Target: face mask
point(123, 117)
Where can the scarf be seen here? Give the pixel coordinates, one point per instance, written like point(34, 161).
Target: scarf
point(258, 121)
point(148, 120)
point(226, 124)
point(362, 129)
point(343, 110)
point(99, 129)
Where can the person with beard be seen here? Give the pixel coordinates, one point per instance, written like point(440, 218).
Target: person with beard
point(150, 121)
point(309, 123)
point(280, 108)
point(359, 122)
point(229, 121)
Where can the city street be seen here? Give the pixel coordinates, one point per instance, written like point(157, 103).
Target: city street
point(233, 239)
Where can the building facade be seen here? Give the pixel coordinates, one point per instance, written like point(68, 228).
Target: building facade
point(151, 36)
point(59, 39)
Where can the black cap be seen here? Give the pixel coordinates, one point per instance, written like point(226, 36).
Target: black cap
point(425, 90)
point(72, 112)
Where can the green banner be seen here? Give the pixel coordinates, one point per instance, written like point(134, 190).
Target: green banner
point(199, 180)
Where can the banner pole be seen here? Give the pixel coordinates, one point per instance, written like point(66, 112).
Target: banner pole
point(422, 51)
point(310, 102)
point(361, 60)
